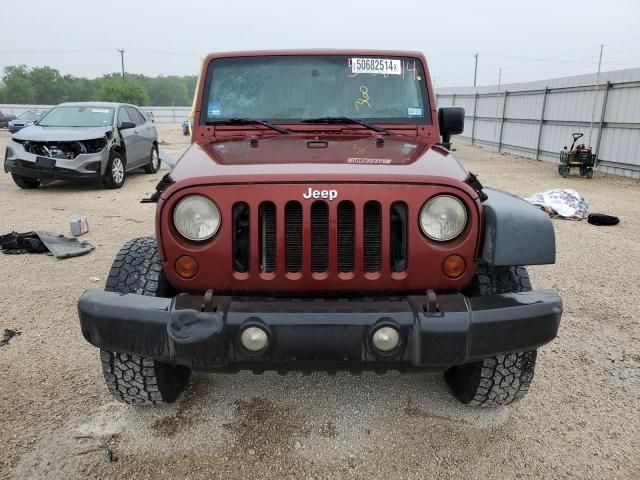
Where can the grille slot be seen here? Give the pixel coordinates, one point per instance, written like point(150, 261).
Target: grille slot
point(240, 241)
point(372, 237)
point(268, 240)
point(346, 237)
point(398, 237)
point(319, 237)
point(293, 237)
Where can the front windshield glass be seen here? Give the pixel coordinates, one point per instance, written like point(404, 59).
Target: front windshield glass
point(78, 116)
point(289, 89)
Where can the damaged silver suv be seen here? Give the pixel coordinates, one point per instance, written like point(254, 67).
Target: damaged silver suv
point(84, 141)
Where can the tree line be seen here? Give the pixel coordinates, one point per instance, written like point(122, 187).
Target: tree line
point(47, 86)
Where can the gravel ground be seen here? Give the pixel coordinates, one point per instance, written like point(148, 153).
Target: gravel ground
point(580, 420)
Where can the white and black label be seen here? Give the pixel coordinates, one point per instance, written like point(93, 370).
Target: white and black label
point(383, 66)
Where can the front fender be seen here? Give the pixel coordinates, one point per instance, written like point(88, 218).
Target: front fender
point(516, 232)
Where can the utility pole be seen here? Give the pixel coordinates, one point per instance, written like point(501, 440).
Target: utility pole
point(595, 94)
point(475, 71)
point(121, 50)
point(495, 125)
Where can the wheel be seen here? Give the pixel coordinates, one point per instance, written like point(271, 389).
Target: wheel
point(130, 378)
point(154, 164)
point(501, 379)
point(565, 171)
point(589, 173)
point(25, 182)
point(560, 169)
point(583, 172)
point(115, 173)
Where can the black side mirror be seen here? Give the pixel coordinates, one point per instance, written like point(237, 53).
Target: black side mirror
point(451, 121)
point(127, 125)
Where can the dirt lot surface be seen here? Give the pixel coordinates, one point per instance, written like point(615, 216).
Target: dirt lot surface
point(580, 420)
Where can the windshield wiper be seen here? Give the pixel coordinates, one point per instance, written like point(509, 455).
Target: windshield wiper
point(247, 121)
point(347, 120)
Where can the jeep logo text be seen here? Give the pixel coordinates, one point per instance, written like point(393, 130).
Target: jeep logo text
point(330, 194)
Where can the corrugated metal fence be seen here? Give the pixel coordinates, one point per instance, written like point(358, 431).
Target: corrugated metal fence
point(536, 119)
point(160, 114)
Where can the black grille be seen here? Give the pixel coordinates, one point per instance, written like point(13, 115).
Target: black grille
point(398, 237)
point(346, 237)
point(293, 236)
point(372, 233)
point(268, 241)
point(319, 219)
point(240, 243)
point(319, 237)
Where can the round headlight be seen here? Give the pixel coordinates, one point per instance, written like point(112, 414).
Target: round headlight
point(196, 218)
point(443, 218)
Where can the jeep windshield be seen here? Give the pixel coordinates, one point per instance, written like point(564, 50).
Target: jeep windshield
point(300, 89)
point(78, 116)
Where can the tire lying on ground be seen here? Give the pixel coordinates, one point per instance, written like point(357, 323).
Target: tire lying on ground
point(134, 379)
point(505, 378)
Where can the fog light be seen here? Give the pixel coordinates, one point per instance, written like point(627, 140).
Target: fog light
point(93, 167)
point(186, 266)
point(254, 339)
point(386, 339)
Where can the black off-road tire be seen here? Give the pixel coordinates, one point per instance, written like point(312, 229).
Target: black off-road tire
point(504, 378)
point(108, 179)
point(25, 182)
point(131, 378)
point(154, 161)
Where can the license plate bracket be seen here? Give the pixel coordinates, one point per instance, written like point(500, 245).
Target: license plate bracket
point(44, 162)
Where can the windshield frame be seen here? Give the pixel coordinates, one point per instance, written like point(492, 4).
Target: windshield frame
point(62, 106)
point(424, 120)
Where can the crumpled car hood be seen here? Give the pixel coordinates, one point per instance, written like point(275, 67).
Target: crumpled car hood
point(36, 133)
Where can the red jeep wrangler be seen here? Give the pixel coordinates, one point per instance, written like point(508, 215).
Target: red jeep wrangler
point(319, 221)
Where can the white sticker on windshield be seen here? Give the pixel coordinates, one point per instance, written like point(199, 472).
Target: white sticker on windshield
point(369, 161)
point(383, 66)
point(100, 110)
point(414, 111)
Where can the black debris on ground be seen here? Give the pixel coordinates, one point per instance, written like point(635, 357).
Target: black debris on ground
point(8, 335)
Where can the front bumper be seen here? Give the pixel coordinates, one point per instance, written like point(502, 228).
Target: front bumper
point(319, 334)
point(86, 166)
point(31, 170)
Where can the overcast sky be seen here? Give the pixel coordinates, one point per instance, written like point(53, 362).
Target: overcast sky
point(530, 40)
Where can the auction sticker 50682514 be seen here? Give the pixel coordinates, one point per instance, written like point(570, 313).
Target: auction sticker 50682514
point(384, 66)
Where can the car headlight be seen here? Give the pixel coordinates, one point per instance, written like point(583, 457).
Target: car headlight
point(443, 218)
point(196, 218)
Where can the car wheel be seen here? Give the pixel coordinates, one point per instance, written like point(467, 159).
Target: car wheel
point(131, 378)
point(25, 182)
point(500, 379)
point(116, 173)
point(154, 163)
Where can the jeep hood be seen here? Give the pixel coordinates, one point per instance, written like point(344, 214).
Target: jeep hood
point(36, 133)
point(308, 158)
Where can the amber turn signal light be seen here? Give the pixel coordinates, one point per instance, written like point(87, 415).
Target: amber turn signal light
point(453, 266)
point(186, 266)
